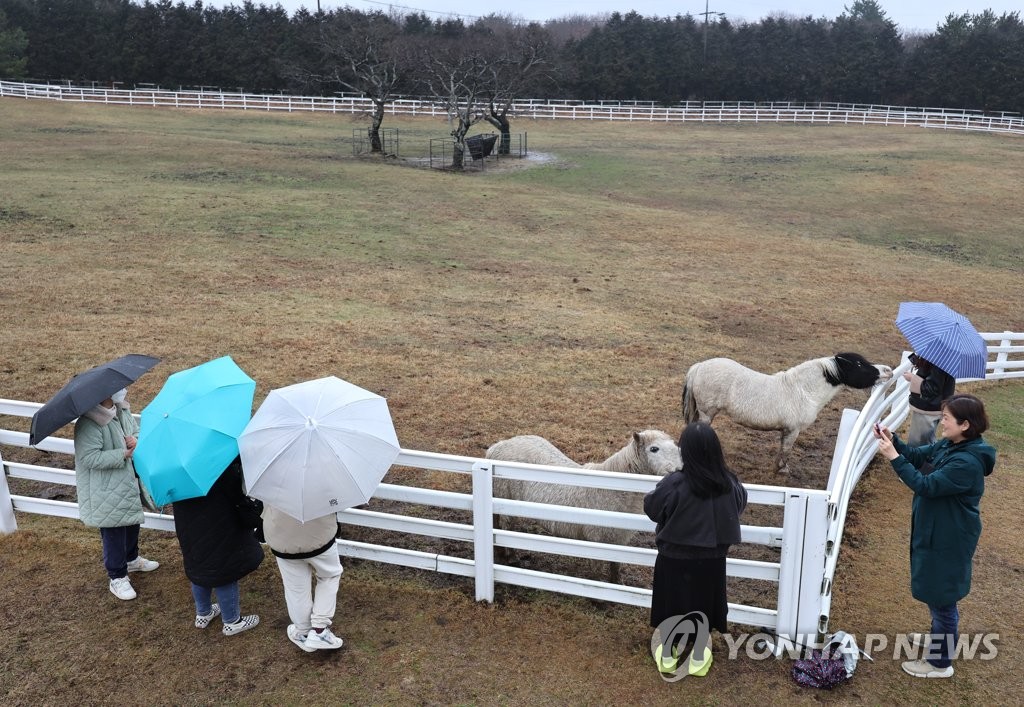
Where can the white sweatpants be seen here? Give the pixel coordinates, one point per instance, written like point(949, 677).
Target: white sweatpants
point(308, 608)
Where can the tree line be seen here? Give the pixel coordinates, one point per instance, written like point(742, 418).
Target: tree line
point(971, 61)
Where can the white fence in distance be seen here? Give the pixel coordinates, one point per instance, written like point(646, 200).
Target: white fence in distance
point(631, 111)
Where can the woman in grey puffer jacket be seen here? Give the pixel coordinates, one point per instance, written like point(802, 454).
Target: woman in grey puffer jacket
point(108, 493)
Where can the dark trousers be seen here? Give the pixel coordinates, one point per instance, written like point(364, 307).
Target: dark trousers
point(945, 625)
point(120, 546)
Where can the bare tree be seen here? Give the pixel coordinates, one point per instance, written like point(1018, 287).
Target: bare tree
point(520, 57)
point(361, 52)
point(457, 74)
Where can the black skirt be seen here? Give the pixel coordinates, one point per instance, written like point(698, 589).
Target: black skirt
point(682, 586)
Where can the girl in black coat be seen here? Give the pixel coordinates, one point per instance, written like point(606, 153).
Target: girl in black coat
point(219, 547)
point(697, 510)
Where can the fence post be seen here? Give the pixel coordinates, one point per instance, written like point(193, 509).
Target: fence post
point(7, 522)
point(790, 559)
point(809, 618)
point(846, 423)
point(483, 531)
point(1002, 356)
point(802, 571)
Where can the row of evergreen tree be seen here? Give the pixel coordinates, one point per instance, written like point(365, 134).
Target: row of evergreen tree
point(971, 61)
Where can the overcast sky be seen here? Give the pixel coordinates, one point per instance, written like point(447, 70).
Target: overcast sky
point(923, 15)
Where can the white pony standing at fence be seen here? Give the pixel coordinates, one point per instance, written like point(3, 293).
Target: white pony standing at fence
point(649, 452)
point(788, 401)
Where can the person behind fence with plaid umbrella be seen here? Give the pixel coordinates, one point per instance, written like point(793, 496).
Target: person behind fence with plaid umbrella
point(948, 480)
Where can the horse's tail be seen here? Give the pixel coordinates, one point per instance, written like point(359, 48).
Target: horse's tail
point(689, 406)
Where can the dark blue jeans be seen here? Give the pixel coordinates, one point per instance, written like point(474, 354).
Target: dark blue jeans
point(945, 622)
point(227, 597)
point(120, 546)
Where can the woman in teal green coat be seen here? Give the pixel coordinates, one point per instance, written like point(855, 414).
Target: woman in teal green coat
point(948, 480)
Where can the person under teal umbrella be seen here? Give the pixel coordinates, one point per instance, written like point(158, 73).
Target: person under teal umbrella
point(216, 533)
point(190, 430)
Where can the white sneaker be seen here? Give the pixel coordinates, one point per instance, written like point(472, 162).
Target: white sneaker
point(324, 640)
point(244, 623)
point(141, 564)
point(924, 669)
point(298, 638)
point(122, 589)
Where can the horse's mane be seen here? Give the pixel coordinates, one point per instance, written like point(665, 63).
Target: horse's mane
point(826, 365)
point(830, 367)
point(624, 459)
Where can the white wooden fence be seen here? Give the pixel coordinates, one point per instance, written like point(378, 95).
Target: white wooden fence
point(808, 540)
point(633, 111)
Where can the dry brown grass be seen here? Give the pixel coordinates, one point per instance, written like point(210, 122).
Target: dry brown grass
point(565, 300)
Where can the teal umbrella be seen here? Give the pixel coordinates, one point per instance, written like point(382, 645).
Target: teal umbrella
point(189, 433)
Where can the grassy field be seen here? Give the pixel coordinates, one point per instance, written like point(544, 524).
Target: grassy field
point(564, 296)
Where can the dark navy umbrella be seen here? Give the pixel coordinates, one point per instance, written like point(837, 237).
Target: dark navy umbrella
point(943, 337)
point(85, 391)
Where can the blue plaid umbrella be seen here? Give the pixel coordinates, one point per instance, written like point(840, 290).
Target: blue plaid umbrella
point(943, 337)
point(189, 433)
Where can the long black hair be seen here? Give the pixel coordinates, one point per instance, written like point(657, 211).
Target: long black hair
point(703, 462)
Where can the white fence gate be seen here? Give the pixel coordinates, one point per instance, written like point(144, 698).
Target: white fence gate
point(808, 540)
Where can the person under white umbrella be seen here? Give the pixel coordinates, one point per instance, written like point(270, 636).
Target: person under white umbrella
point(311, 450)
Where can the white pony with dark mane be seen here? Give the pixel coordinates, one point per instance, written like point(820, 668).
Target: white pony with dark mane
point(649, 452)
point(788, 401)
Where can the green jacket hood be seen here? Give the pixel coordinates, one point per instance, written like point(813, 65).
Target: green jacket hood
point(983, 452)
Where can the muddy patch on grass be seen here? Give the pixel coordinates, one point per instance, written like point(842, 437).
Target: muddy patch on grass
point(489, 165)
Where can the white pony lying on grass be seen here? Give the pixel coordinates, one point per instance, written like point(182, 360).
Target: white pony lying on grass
point(788, 401)
point(649, 452)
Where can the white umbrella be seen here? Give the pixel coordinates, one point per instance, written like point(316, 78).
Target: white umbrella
point(318, 447)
